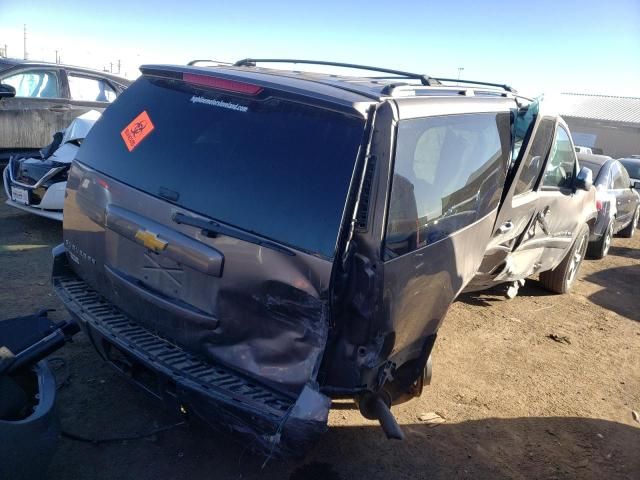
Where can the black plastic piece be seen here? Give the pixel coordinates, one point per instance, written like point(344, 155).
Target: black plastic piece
point(27, 445)
point(30, 339)
point(424, 79)
point(212, 229)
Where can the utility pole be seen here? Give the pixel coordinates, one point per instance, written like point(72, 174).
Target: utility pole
point(57, 59)
point(110, 67)
point(460, 70)
point(25, 42)
point(118, 66)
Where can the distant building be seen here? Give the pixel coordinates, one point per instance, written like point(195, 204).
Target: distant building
point(608, 125)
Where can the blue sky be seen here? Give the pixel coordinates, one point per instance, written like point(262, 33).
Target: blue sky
point(544, 46)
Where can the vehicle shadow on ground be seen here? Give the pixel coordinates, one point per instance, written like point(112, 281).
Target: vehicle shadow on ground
point(625, 252)
point(619, 285)
point(492, 448)
point(484, 298)
point(484, 449)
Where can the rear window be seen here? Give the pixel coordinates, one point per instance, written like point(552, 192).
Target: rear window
point(449, 172)
point(270, 166)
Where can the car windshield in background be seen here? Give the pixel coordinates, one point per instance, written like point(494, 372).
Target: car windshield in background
point(633, 168)
point(273, 167)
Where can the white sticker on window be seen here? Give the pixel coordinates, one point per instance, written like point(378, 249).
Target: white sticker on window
point(219, 103)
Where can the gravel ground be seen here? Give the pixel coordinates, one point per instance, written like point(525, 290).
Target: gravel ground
point(515, 403)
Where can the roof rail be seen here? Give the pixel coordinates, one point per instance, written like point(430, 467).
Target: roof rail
point(475, 82)
point(194, 62)
point(424, 79)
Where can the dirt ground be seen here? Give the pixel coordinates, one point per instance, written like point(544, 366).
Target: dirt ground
point(516, 403)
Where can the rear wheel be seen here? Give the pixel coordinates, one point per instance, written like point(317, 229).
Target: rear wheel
point(562, 278)
point(600, 248)
point(627, 232)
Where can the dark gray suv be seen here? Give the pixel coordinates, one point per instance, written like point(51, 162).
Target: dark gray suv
point(248, 243)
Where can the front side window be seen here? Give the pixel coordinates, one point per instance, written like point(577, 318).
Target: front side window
point(534, 159)
point(449, 171)
point(34, 84)
point(87, 89)
point(561, 165)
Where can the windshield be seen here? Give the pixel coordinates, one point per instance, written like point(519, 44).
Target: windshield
point(273, 167)
point(633, 167)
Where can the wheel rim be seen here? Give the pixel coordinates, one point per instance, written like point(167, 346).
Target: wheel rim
point(576, 259)
point(607, 240)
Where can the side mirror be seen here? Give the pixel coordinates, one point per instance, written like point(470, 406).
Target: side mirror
point(584, 180)
point(636, 185)
point(7, 91)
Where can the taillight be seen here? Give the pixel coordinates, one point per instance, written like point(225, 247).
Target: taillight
point(598, 204)
point(221, 84)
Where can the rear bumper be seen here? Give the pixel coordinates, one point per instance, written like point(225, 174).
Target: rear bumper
point(267, 420)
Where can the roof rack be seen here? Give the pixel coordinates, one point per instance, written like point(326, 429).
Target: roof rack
point(475, 82)
point(424, 79)
point(194, 62)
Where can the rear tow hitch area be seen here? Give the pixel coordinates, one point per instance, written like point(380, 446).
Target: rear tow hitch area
point(377, 406)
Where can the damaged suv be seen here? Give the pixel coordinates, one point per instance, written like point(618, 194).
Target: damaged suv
point(247, 243)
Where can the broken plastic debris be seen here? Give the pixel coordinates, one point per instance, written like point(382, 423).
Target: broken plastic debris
point(431, 418)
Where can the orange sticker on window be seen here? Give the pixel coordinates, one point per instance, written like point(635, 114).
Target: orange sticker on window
point(137, 130)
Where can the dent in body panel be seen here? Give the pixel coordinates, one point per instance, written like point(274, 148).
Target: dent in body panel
point(420, 286)
point(271, 308)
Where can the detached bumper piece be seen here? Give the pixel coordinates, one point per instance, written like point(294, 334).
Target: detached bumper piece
point(29, 427)
point(267, 420)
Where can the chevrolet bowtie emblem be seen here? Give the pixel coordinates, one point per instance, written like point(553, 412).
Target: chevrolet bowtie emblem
point(151, 240)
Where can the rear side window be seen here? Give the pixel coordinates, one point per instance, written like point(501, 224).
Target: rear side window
point(449, 171)
point(264, 164)
point(34, 84)
point(88, 89)
point(533, 162)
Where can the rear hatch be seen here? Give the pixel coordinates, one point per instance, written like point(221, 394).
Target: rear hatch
point(208, 210)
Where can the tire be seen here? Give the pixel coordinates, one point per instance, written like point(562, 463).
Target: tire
point(562, 278)
point(600, 248)
point(627, 232)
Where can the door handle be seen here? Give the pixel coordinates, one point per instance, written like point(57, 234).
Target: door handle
point(59, 108)
point(505, 227)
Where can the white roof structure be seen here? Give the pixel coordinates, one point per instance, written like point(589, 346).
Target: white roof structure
point(621, 110)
